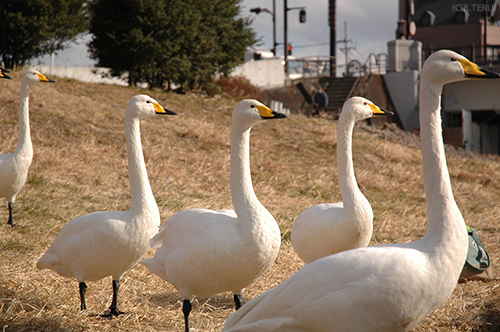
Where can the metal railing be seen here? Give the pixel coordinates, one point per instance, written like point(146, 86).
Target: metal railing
point(313, 66)
point(374, 64)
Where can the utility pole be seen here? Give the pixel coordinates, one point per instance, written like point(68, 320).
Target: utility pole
point(346, 49)
point(332, 22)
point(285, 23)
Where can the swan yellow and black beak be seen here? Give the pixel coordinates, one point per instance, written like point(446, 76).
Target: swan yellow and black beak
point(377, 111)
point(3, 75)
point(472, 70)
point(162, 110)
point(266, 113)
point(44, 78)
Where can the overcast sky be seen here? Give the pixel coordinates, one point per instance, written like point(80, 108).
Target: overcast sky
point(370, 25)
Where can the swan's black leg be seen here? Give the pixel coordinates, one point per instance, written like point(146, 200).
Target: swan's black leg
point(113, 309)
point(238, 301)
point(83, 290)
point(11, 219)
point(186, 309)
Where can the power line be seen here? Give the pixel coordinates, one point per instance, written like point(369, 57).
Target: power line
point(346, 48)
point(310, 45)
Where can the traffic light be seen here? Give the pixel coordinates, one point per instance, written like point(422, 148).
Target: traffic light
point(302, 16)
point(289, 49)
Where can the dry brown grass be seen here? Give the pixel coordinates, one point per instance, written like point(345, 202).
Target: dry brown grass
point(80, 166)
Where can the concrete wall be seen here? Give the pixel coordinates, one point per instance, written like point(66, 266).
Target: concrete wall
point(404, 55)
point(470, 141)
point(265, 73)
point(472, 95)
point(403, 88)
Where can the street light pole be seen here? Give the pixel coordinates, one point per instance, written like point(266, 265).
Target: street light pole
point(257, 10)
point(274, 27)
point(332, 22)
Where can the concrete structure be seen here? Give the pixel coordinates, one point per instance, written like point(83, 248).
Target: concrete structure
point(403, 73)
point(404, 55)
point(471, 108)
point(403, 89)
point(471, 115)
point(264, 73)
point(469, 27)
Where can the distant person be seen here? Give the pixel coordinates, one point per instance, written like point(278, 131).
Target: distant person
point(320, 102)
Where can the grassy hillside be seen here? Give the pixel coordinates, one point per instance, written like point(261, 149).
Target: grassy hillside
point(80, 166)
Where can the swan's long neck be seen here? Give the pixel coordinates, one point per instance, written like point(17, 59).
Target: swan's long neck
point(446, 226)
point(143, 200)
point(24, 147)
point(351, 195)
point(245, 202)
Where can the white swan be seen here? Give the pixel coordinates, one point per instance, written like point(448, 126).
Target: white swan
point(14, 166)
point(206, 252)
point(326, 229)
point(386, 287)
point(100, 244)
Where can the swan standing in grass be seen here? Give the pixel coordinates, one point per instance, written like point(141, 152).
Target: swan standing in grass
point(109, 243)
point(387, 287)
point(14, 166)
point(206, 252)
point(326, 229)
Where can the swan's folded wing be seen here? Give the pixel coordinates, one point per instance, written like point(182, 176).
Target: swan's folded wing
point(195, 217)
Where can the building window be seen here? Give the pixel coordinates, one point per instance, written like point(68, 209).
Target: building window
point(493, 54)
point(452, 119)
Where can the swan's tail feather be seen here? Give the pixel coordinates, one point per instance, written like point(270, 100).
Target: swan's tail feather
point(153, 266)
point(47, 261)
point(44, 262)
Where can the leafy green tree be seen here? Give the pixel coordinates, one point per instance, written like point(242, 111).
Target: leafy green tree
point(162, 42)
point(32, 28)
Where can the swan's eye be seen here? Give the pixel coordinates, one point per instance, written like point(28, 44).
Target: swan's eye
point(149, 101)
point(365, 103)
point(453, 59)
point(252, 106)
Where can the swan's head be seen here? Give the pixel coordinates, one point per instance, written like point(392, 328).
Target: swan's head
point(142, 106)
point(33, 76)
point(249, 112)
point(446, 66)
point(3, 74)
point(361, 108)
